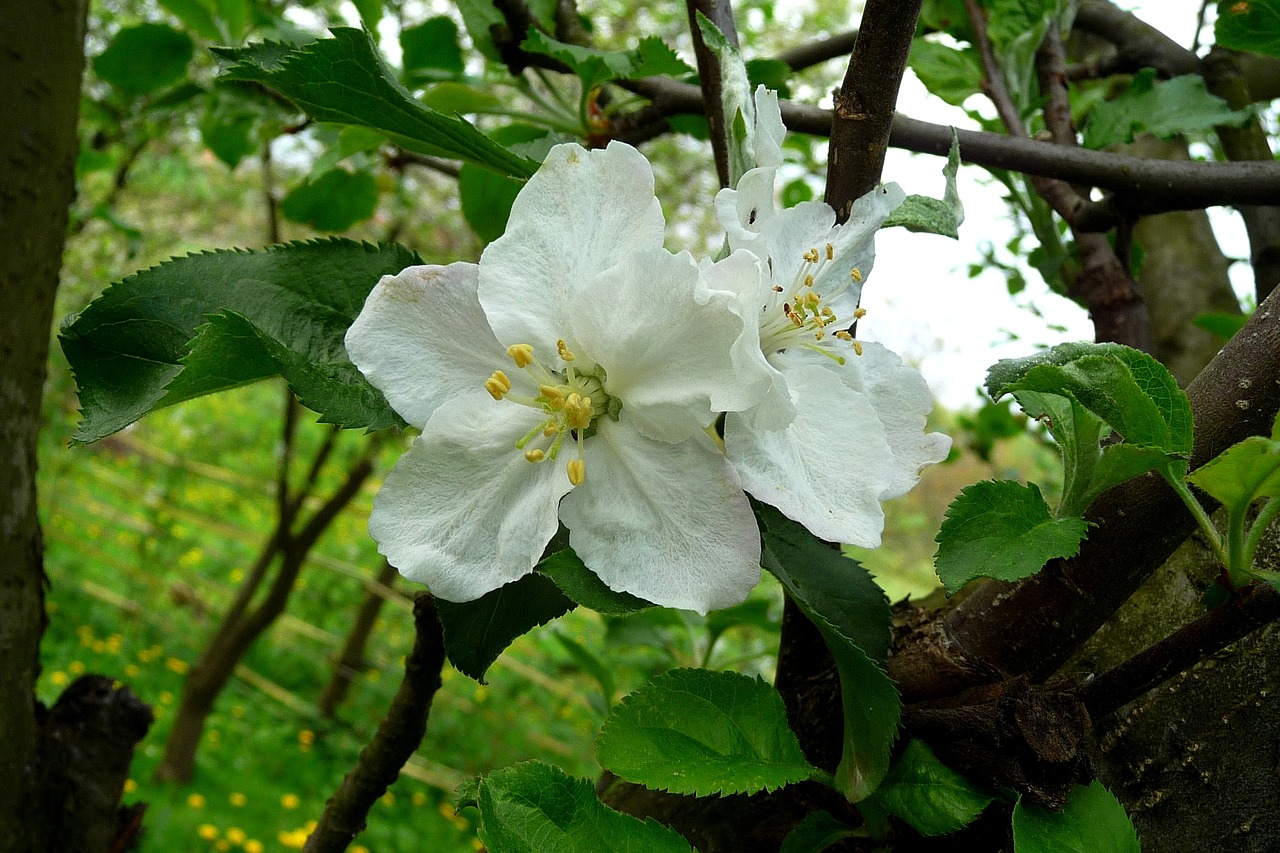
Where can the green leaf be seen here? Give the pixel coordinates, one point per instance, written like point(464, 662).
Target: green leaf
point(536, 808)
point(593, 66)
point(486, 200)
point(771, 73)
point(736, 99)
point(144, 58)
point(590, 663)
point(431, 51)
point(585, 587)
point(953, 74)
point(694, 731)
point(1129, 390)
point(928, 795)
point(818, 831)
point(1252, 25)
point(450, 98)
point(1001, 529)
point(227, 129)
point(839, 598)
point(334, 201)
point(1163, 108)
point(931, 215)
point(127, 346)
point(477, 632)
point(235, 13)
point(370, 13)
point(197, 15)
point(1242, 473)
point(342, 80)
point(479, 16)
point(1220, 323)
point(1093, 821)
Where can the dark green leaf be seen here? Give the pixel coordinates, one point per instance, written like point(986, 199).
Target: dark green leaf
point(694, 731)
point(585, 587)
point(1252, 25)
point(478, 16)
point(342, 80)
point(486, 200)
point(127, 346)
point(771, 73)
point(197, 15)
point(536, 808)
point(1221, 324)
point(431, 51)
point(476, 632)
point(818, 831)
point(1093, 821)
point(1163, 108)
point(928, 795)
point(953, 74)
point(455, 98)
point(236, 15)
point(144, 58)
point(840, 599)
point(370, 13)
point(335, 201)
point(228, 133)
point(1001, 529)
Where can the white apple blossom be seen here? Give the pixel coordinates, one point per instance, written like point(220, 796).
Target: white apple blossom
point(842, 426)
point(569, 376)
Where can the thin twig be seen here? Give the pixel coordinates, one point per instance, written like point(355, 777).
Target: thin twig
point(815, 52)
point(397, 737)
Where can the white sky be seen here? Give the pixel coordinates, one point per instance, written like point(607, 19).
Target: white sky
point(920, 300)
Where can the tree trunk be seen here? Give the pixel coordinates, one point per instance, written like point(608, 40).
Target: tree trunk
point(64, 769)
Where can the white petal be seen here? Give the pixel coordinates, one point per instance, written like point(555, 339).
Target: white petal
point(744, 211)
point(463, 511)
point(666, 522)
point(902, 402)
point(829, 467)
point(422, 339)
point(770, 130)
point(854, 246)
point(669, 358)
point(580, 214)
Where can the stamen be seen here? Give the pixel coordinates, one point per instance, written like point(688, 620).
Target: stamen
point(534, 455)
point(831, 252)
point(844, 335)
point(577, 470)
point(855, 274)
point(857, 347)
point(553, 395)
point(564, 350)
point(859, 313)
point(808, 281)
point(521, 354)
point(497, 385)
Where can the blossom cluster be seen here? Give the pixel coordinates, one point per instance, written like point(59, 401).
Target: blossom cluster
point(582, 374)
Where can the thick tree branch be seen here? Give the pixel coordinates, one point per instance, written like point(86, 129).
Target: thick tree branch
point(864, 104)
point(1142, 186)
point(710, 75)
point(397, 737)
point(1140, 45)
point(1032, 627)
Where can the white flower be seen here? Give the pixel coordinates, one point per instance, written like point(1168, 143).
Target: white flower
point(567, 377)
point(842, 426)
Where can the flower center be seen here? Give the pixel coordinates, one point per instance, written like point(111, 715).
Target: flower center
point(571, 401)
point(797, 315)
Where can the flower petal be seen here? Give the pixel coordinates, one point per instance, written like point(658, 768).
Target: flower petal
point(744, 211)
point(829, 467)
point(463, 511)
point(580, 214)
point(855, 247)
point(666, 522)
point(667, 343)
point(769, 129)
point(902, 402)
point(422, 339)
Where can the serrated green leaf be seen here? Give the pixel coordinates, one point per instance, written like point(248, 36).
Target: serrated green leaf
point(652, 57)
point(1002, 529)
point(343, 80)
point(334, 201)
point(930, 215)
point(477, 632)
point(535, 808)
point(833, 592)
point(1253, 25)
point(144, 58)
point(694, 731)
point(127, 346)
point(1093, 821)
point(953, 74)
point(928, 795)
point(431, 51)
point(818, 831)
point(1132, 392)
point(1242, 473)
point(585, 587)
point(1162, 108)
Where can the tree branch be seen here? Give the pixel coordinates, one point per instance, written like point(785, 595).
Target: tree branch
point(1140, 45)
point(864, 104)
point(397, 737)
point(710, 76)
point(815, 52)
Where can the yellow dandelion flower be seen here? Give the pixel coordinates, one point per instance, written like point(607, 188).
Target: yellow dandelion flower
point(236, 835)
point(290, 801)
point(253, 845)
point(58, 678)
point(177, 665)
point(75, 667)
point(196, 801)
point(237, 799)
point(207, 831)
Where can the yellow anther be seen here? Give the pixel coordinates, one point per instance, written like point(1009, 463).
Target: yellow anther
point(811, 256)
point(497, 385)
point(550, 429)
point(565, 352)
point(534, 455)
point(577, 470)
point(831, 251)
point(844, 335)
point(808, 281)
point(811, 299)
point(859, 313)
point(857, 347)
point(828, 315)
point(553, 395)
point(855, 274)
point(777, 288)
point(521, 354)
